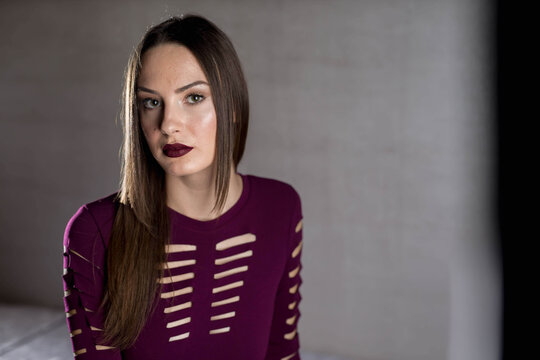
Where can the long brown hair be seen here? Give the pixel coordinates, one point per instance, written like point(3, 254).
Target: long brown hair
point(141, 230)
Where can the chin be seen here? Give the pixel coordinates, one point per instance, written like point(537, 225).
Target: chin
point(179, 170)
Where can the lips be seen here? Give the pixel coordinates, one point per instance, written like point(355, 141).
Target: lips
point(176, 149)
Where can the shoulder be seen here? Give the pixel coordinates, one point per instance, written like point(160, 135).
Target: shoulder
point(89, 228)
point(275, 189)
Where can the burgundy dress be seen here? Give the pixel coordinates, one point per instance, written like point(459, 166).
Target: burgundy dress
point(233, 292)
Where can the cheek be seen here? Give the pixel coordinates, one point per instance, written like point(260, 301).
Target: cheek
point(211, 131)
point(207, 127)
point(145, 131)
point(149, 132)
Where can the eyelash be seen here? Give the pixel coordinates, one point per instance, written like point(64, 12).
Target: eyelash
point(144, 101)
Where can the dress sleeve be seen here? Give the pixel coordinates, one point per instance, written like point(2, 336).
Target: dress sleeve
point(284, 342)
point(83, 278)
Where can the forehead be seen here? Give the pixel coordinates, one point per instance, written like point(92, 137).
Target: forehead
point(169, 63)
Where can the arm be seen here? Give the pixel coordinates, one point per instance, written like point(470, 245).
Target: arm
point(284, 341)
point(84, 260)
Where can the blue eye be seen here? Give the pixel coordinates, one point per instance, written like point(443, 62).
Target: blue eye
point(150, 103)
point(194, 98)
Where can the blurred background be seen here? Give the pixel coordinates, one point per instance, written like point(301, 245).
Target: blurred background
point(379, 112)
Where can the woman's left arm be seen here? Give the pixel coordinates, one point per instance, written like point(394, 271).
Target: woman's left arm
point(284, 341)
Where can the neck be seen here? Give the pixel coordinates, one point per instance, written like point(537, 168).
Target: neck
point(194, 195)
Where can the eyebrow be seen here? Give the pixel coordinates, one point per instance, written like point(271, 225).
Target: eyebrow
point(179, 90)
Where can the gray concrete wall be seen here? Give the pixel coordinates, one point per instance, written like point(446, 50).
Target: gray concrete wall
point(376, 111)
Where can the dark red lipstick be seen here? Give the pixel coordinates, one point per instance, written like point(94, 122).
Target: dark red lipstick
point(176, 149)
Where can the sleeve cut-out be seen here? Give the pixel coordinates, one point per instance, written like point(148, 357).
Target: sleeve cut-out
point(83, 260)
point(284, 341)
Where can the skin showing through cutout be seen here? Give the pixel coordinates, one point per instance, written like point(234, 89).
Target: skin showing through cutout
point(226, 301)
point(297, 250)
point(294, 272)
point(223, 316)
point(292, 305)
point(290, 336)
point(222, 330)
point(179, 337)
point(293, 289)
point(179, 248)
point(177, 278)
point(79, 255)
point(227, 259)
point(179, 322)
point(288, 356)
point(103, 347)
point(235, 241)
point(177, 307)
point(80, 351)
point(227, 287)
point(176, 264)
point(230, 272)
point(290, 320)
point(171, 294)
point(298, 226)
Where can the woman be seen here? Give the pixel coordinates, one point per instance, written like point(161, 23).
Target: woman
point(189, 259)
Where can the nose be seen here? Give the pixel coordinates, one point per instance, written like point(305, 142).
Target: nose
point(173, 119)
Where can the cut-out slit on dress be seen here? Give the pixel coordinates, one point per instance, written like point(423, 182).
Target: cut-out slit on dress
point(294, 272)
point(79, 255)
point(179, 322)
point(223, 316)
point(291, 305)
point(226, 301)
point(221, 330)
point(230, 272)
point(290, 336)
point(296, 251)
point(178, 292)
point(79, 352)
point(288, 356)
point(176, 264)
point(103, 347)
point(293, 289)
point(177, 307)
point(290, 320)
point(227, 287)
point(235, 241)
point(179, 248)
point(176, 278)
point(227, 259)
point(298, 226)
point(179, 337)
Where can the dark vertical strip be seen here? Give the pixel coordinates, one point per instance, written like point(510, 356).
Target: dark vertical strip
point(516, 104)
point(498, 106)
point(503, 221)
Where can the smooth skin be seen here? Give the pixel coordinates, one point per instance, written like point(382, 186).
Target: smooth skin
point(175, 106)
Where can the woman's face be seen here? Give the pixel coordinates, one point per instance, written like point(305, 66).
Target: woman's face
point(175, 106)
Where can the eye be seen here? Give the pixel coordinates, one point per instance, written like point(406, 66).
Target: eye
point(150, 103)
point(194, 98)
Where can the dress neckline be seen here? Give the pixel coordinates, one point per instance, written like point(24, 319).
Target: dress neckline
point(200, 225)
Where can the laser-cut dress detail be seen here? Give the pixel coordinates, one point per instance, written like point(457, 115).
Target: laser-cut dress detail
point(230, 290)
